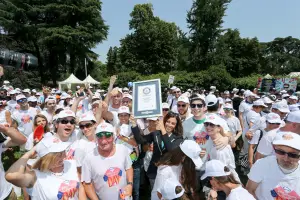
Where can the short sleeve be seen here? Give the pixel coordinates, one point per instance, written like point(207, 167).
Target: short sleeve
point(265, 147)
point(86, 172)
point(252, 117)
point(238, 126)
point(128, 162)
point(255, 137)
point(257, 171)
point(79, 157)
point(241, 108)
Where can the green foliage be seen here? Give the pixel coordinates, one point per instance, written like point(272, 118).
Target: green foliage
point(248, 82)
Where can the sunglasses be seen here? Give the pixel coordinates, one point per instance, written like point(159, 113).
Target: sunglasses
point(283, 153)
point(104, 134)
point(165, 109)
point(193, 105)
point(88, 125)
point(181, 105)
point(177, 92)
point(65, 121)
point(227, 108)
point(206, 124)
point(22, 101)
point(274, 123)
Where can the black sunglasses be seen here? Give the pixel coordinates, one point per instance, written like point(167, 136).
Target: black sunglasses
point(274, 123)
point(177, 92)
point(165, 109)
point(104, 134)
point(22, 101)
point(181, 105)
point(199, 105)
point(65, 121)
point(88, 125)
point(206, 124)
point(290, 155)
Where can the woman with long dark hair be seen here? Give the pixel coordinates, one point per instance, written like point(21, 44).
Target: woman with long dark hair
point(179, 164)
point(167, 137)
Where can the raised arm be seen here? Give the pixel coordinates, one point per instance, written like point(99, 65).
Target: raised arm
point(16, 138)
point(110, 88)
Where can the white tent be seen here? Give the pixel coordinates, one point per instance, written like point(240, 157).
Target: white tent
point(90, 80)
point(294, 74)
point(71, 80)
point(268, 76)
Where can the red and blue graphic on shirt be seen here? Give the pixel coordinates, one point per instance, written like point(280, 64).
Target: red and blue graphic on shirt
point(67, 189)
point(200, 137)
point(113, 176)
point(26, 119)
point(284, 193)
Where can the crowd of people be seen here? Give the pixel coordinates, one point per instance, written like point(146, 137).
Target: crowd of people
point(87, 144)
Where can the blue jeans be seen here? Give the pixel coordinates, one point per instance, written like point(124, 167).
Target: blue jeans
point(136, 183)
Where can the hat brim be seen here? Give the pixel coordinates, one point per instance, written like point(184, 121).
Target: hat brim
point(205, 175)
point(198, 162)
point(286, 143)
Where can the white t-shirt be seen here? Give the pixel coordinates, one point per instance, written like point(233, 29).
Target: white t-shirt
point(273, 183)
point(84, 147)
point(51, 187)
point(24, 118)
point(239, 193)
point(245, 107)
point(12, 105)
point(48, 116)
point(5, 187)
point(233, 124)
point(173, 102)
point(111, 176)
point(164, 173)
point(265, 145)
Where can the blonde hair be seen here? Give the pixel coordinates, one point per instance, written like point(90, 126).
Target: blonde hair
point(44, 163)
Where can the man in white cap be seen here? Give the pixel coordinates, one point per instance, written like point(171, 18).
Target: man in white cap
point(32, 102)
point(245, 107)
point(115, 176)
point(277, 177)
point(165, 109)
point(183, 107)
point(50, 105)
point(12, 102)
point(173, 102)
point(115, 99)
point(127, 100)
point(171, 93)
point(26, 92)
point(23, 118)
point(293, 101)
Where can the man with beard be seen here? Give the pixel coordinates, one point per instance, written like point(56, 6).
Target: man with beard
point(183, 108)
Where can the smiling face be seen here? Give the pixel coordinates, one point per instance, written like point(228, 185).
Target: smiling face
point(41, 121)
point(285, 161)
point(88, 128)
point(65, 130)
point(58, 161)
point(124, 118)
point(116, 99)
point(196, 111)
point(170, 124)
point(182, 107)
point(105, 144)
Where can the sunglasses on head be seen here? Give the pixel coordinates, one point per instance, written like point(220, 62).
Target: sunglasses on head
point(104, 134)
point(66, 121)
point(206, 124)
point(181, 105)
point(199, 105)
point(290, 155)
point(88, 125)
point(165, 109)
point(22, 100)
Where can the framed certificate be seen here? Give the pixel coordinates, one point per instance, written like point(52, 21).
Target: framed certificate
point(147, 99)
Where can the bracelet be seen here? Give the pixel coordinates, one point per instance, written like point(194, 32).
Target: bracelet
point(130, 183)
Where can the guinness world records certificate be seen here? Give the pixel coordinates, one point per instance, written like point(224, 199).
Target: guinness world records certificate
point(147, 99)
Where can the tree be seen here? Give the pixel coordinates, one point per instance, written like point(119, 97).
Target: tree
point(205, 22)
point(113, 63)
point(60, 33)
point(153, 45)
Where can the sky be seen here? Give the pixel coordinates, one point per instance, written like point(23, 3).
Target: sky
point(264, 19)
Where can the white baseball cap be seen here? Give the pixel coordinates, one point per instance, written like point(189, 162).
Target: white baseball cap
point(283, 91)
point(273, 118)
point(293, 97)
point(38, 94)
point(123, 109)
point(267, 100)
point(294, 117)
point(168, 189)
point(165, 105)
point(126, 95)
point(285, 95)
point(88, 116)
point(248, 93)
point(51, 145)
point(152, 118)
point(294, 107)
point(213, 118)
point(32, 99)
point(214, 168)
point(125, 89)
point(26, 90)
point(211, 100)
point(183, 99)
point(65, 113)
point(58, 92)
point(50, 98)
point(173, 87)
point(282, 107)
point(13, 92)
point(228, 106)
point(228, 100)
point(259, 103)
point(6, 82)
point(221, 101)
point(96, 97)
point(20, 96)
point(289, 139)
point(226, 92)
point(33, 90)
point(105, 127)
point(191, 149)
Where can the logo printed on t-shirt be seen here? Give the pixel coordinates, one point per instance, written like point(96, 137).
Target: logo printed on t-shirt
point(70, 154)
point(284, 193)
point(200, 137)
point(66, 188)
point(26, 119)
point(113, 176)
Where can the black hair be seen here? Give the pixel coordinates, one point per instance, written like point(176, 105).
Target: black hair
point(214, 107)
point(196, 97)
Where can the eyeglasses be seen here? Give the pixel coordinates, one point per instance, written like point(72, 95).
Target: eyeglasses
point(88, 125)
point(274, 123)
point(227, 109)
point(193, 105)
point(165, 109)
point(49, 104)
point(123, 115)
point(181, 105)
point(290, 155)
point(65, 121)
point(177, 92)
point(206, 124)
point(22, 101)
point(104, 134)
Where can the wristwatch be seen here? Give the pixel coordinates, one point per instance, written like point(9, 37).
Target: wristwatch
point(130, 183)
